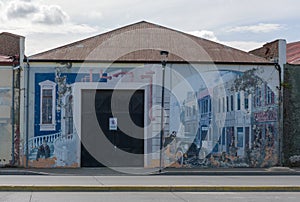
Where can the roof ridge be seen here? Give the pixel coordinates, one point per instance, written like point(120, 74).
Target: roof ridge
point(88, 38)
point(209, 45)
point(11, 34)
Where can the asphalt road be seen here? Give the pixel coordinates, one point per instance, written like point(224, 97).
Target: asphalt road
point(148, 196)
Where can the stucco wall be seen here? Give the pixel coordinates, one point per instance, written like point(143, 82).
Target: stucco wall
point(5, 114)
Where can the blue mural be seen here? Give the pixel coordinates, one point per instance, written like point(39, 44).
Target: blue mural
point(55, 142)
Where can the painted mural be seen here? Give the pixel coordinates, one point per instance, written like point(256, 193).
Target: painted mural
point(216, 118)
point(55, 141)
point(227, 119)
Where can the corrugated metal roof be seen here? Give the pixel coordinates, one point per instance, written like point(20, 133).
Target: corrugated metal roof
point(293, 53)
point(141, 41)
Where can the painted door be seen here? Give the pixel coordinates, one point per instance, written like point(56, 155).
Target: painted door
point(116, 138)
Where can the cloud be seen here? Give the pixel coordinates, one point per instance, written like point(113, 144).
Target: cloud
point(244, 45)
point(34, 12)
point(20, 9)
point(241, 45)
point(204, 34)
point(37, 21)
point(259, 28)
point(51, 15)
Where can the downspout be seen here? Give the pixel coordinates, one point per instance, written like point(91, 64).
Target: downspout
point(280, 114)
point(17, 68)
point(27, 111)
point(279, 66)
point(13, 118)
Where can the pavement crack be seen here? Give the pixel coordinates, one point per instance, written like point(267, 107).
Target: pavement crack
point(176, 195)
point(30, 196)
point(98, 180)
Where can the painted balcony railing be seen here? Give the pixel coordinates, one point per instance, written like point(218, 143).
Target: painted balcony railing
point(35, 142)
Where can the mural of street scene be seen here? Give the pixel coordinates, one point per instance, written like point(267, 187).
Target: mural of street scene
point(228, 119)
point(218, 118)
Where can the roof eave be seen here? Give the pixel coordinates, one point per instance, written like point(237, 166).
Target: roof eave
point(152, 62)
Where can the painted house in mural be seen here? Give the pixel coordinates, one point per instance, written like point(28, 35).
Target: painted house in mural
point(11, 50)
point(290, 55)
point(97, 102)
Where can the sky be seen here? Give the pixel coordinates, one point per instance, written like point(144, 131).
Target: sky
point(241, 24)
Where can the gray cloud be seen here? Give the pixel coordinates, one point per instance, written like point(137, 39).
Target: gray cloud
point(35, 12)
point(259, 28)
point(20, 9)
point(51, 15)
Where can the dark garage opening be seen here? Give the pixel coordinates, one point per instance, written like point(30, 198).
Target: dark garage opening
point(106, 144)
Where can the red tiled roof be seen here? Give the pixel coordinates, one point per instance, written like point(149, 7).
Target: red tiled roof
point(293, 53)
point(141, 42)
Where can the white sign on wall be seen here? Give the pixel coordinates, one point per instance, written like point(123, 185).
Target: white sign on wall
point(113, 123)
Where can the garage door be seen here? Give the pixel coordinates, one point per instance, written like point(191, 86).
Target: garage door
point(112, 128)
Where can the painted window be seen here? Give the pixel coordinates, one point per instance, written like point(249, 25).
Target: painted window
point(223, 101)
point(240, 136)
point(205, 105)
point(246, 100)
point(231, 103)
point(47, 106)
point(227, 103)
point(238, 101)
point(194, 110)
point(69, 115)
point(269, 96)
point(223, 136)
point(258, 96)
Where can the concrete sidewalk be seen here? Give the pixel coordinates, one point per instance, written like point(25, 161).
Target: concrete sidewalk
point(170, 180)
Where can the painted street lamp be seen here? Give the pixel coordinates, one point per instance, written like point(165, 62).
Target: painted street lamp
point(164, 59)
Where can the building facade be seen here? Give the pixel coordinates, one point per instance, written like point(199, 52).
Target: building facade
point(97, 102)
point(11, 53)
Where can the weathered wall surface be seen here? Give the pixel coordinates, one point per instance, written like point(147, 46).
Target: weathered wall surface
point(5, 115)
point(291, 123)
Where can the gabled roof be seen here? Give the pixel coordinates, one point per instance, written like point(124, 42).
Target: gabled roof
point(141, 42)
point(293, 53)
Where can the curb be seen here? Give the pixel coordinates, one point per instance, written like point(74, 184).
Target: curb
point(149, 188)
point(21, 172)
point(232, 173)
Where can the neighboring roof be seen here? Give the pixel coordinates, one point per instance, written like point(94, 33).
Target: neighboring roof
point(6, 60)
point(10, 44)
point(293, 53)
point(141, 42)
point(268, 50)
